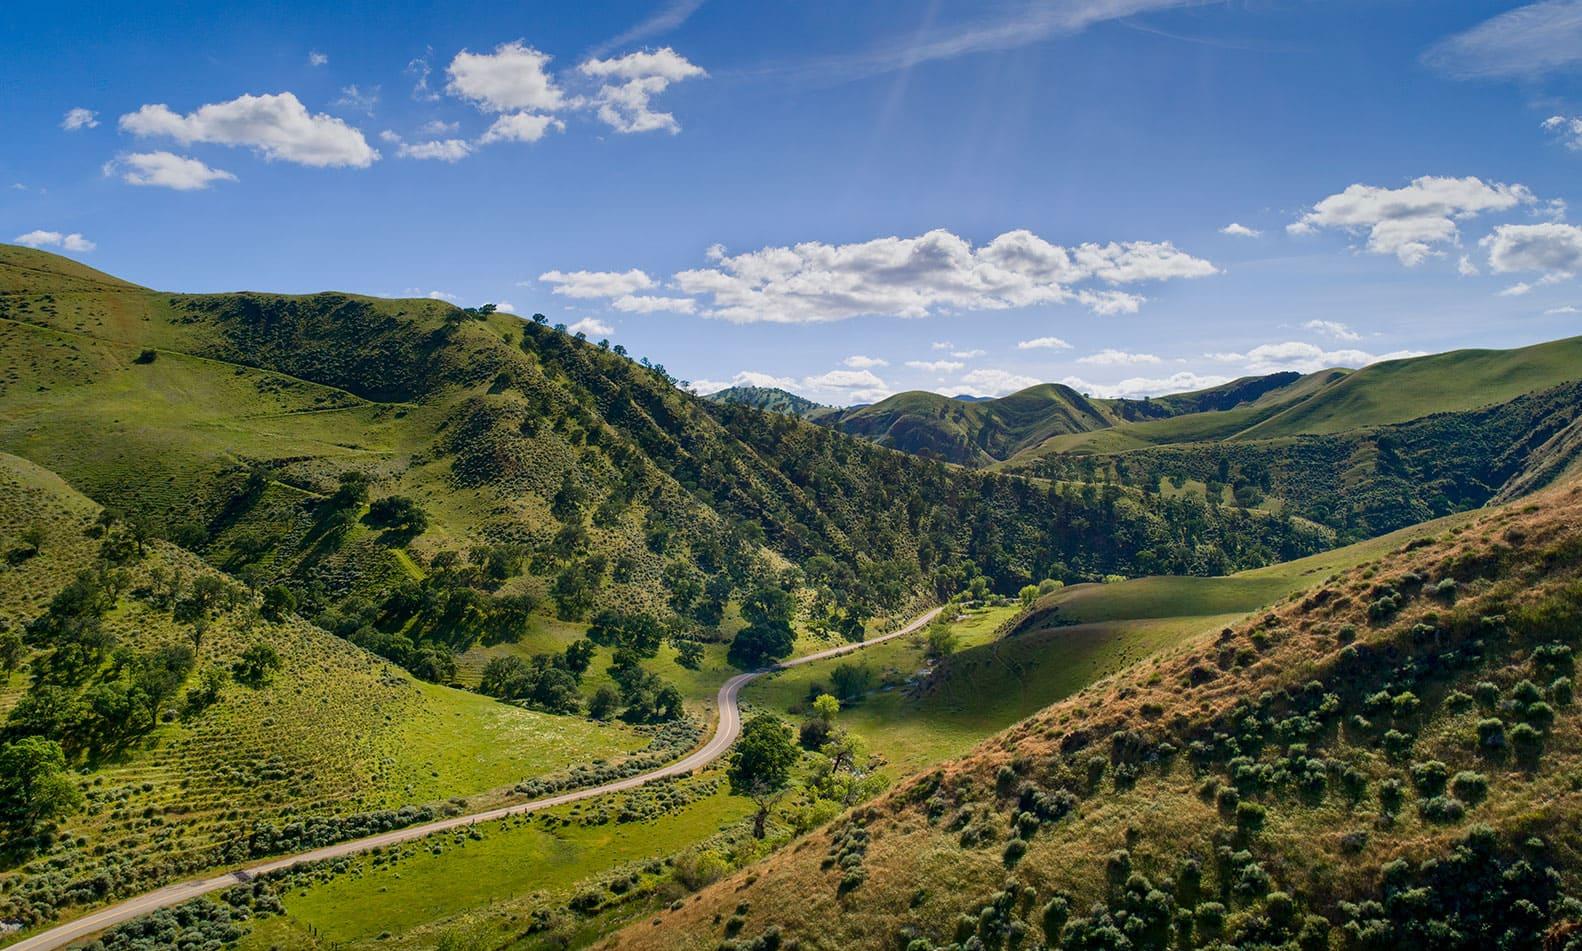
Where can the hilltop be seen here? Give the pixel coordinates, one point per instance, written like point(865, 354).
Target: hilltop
point(1014, 432)
point(770, 399)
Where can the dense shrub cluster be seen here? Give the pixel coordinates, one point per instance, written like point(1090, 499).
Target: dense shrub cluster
point(669, 740)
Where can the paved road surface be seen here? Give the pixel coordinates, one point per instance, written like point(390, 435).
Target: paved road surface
point(725, 733)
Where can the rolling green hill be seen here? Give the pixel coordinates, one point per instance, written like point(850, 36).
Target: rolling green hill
point(1214, 422)
point(1371, 480)
point(974, 433)
point(333, 738)
point(770, 399)
point(1387, 756)
point(1399, 390)
point(1049, 419)
point(543, 467)
point(1052, 416)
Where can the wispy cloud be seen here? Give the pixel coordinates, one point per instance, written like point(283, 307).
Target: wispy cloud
point(1522, 43)
point(1016, 25)
point(669, 16)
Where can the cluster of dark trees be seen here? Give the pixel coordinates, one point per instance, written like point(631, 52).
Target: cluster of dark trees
point(90, 694)
point(548, 682)
point(421, 625)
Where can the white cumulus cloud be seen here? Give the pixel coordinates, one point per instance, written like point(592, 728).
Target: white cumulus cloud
point(994, 382)
point(652, 304)
point(443, 150)
point(932, 273)
point(54, 239)
point(630, 83)
point(936, 366)
point(1568, 129)
point(1412, 221)
point(1240, 231)
point(592, 326)
point(1138, 387)
point(1305, 357)
point(514, 78)
point(166, 170)
point(859, 362)
point(521, 127)
point(1550, 247)
point(1332, 328)
point(79, 118)
point(1043, 343)
point(1113, 358)
point(585, 284)
point(315, 58)
point(277, 126)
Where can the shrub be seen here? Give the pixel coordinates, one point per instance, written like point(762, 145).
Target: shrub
point(1014, 850)
point(1430, 777)
point(1561, 691)
point(1391, 795)
point(1487, 693)
point(1442, 809)
point(1054, 916)
point(1469, 787)
point(1210, 919)
point(1491, 733)
point(1250, 818)
point(1526, 741)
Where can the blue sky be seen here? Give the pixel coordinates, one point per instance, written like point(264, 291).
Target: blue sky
point(845, 199)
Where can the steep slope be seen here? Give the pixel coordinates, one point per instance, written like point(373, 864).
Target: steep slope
point(120, 653)
point(1370, 480)
point(565, 472)
point(1385, 761)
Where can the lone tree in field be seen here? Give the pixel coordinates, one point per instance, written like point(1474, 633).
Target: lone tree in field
point(761, 765)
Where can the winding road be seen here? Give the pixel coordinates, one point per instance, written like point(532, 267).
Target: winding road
point(725, 733)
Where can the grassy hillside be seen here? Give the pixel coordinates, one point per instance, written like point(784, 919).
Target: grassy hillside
point(1053, 417)
point(1370, 480)
point(332, 736)
point(543, 468)
point(1398, 390)
point(770, 399)
point(1387, 756)
point(972, 432)
point(1210, 422)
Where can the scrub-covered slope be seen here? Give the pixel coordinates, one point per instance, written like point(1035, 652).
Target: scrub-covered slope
point(1387, 759)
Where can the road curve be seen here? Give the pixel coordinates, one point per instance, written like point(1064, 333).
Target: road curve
point(725, 733)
